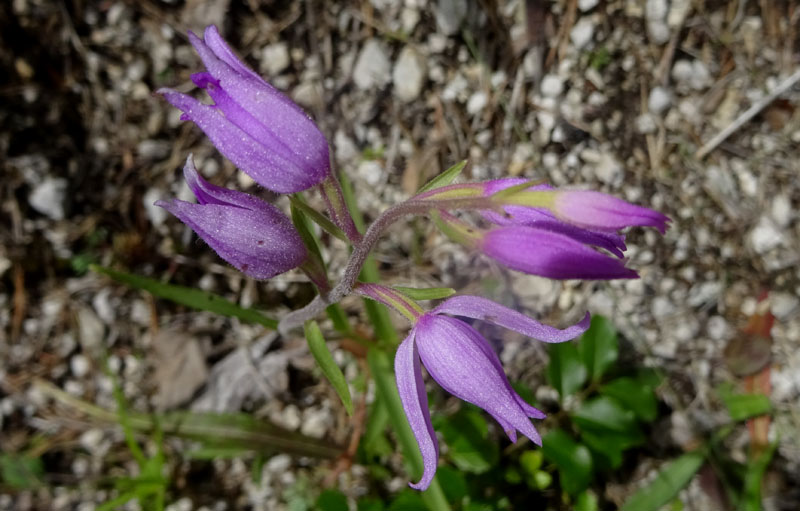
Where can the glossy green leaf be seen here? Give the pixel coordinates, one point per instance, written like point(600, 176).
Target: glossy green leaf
point(445, 178)
point(607, 448)
point(670, 480)
point(408, 500)
point(744, 406)
point(574, 461)
point(565, 371)
point(323, 356)
point(332, 500)
point(188, 296)
point(634, 395)
point(466, 435)
point(598, 347)
point(604, 413)
point(453, 483)
point(369, 504)
point(431, 293)
point(318, 218)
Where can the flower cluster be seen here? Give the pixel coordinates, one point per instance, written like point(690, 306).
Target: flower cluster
point(532, 228)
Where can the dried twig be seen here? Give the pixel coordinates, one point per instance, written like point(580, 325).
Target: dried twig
point(747, 115)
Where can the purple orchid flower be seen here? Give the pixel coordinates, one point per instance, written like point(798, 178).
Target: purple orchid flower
point(595, 210)
point(537, 250)
point(254, 125)
point(463, 363)
point(252, 235)
point(544, 219)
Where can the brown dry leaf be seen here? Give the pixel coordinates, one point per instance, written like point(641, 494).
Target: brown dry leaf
point(180, 368)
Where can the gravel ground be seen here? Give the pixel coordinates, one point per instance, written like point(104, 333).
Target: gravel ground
point(615, 95)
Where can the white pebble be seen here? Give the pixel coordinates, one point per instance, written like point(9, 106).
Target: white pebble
point(582, 33)
point(79, 365)
point(49, 197)
point(659, 100)
point(552, 86)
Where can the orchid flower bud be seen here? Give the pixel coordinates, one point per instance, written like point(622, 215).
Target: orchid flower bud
point(252, 235)
point(254, 125)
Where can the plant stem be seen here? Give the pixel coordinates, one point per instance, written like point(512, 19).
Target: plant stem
point(362, 249)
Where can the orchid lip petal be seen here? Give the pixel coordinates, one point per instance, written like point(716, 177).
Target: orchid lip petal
point(415, 404)
point(477, 307)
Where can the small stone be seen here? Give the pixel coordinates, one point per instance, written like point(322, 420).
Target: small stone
point(156, 214)
point(315, 422)
point(717, 328)
point(275, 58)
point(609, 170)
point(646, 124)
point(656, 14)
point(781, 210)
point(477, 102)
point(154, 149)
point(552, 86)
point(783, 305)
point(587, 5)
point(372, 68)
point(279, 463)
point(79, 365)
point(765, 236)
point(659, 100)
point(49, 197)
point(449, 15)
point(372, 172)
point(582, 33)
point(409, 17)
point(408, 74)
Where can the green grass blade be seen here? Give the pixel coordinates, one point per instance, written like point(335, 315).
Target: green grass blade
point(323, 356)
point(671, 480)
point(188, 296)
point(753, 476)
point(430, 293)
point(445, 178)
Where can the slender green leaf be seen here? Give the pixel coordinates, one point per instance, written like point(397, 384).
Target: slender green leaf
point(445, 178)
point(565, 371)
point(431, 293)
point(323, 356)
point(598, 347)
point(21, 472)
point(467, 437)
point(574, 461)
point(374, 441)
point(605, 414)
point(188, 296)
point(672, 479)
point(318, 218)
point(744, 406)
point(386, 391)
point(339, 318)
point(634, 395)
point(752, 478)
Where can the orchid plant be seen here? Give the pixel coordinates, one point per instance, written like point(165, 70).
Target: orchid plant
point(526, 226)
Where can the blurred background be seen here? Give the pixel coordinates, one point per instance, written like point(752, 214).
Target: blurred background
point(111, 397)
